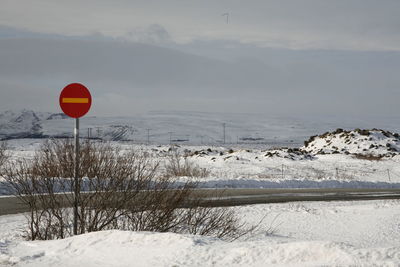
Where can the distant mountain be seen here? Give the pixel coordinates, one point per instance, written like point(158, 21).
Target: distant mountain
point(57, 116)
point(21, 124)
point(180, 127)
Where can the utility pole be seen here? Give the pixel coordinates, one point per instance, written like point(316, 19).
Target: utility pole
point(223, 129)
point(89, 133)
point(170, 137)
point(148, 136)
point(98, 132)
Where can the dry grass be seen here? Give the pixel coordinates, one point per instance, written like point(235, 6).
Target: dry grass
point(368, 157)
point(177, 165)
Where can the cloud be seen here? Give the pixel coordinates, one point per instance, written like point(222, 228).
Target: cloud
point(127, 78)
point(153, 34)
point(302, 24)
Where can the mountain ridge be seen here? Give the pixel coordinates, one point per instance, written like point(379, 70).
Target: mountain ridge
point(179, 127)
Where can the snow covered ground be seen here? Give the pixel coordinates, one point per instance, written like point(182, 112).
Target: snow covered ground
point(361, 233)
point(236, 167)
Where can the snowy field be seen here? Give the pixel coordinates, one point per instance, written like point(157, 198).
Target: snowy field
point(236, 167)
point(360, 233)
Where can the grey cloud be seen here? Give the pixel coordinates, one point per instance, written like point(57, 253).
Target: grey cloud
point(223, 76)
point(300, 24)
point(155, 34)
point(137, 65)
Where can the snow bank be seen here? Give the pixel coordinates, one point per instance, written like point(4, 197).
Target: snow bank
point(117, 248)
point(361, 233)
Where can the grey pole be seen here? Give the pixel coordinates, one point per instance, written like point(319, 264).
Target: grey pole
point(76, 176)
point(223, 125)
point(170, 137)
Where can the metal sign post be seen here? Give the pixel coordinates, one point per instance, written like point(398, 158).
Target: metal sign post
point(76, 174)
point(75, 101)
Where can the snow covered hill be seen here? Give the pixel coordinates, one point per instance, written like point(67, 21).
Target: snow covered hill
point(376, 143)
point(21, 124)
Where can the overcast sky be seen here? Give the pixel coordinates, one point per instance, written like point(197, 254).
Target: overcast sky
point(278, 57)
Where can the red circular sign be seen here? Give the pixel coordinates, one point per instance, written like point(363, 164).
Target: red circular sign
point(75, 100)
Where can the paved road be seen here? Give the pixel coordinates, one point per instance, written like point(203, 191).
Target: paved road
point(236, 197)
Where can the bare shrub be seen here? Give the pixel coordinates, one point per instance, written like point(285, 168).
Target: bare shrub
point(3, 154)
point(336, 173)
point(120, 190)
point(177, 165)
point(219, 222)
point(188, 217)
point(45, 184)
point(319, 174)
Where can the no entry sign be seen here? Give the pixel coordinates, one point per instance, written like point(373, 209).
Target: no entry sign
point(75, 100)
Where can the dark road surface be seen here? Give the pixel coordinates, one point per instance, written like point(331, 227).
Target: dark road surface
point(237, 197)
